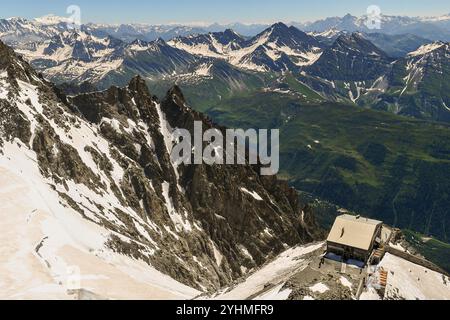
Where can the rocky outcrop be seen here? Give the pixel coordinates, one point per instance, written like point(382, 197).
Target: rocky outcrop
point(351, 58)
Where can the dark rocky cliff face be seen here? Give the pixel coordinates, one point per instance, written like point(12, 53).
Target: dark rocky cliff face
point(351, 58)
point(111, 149)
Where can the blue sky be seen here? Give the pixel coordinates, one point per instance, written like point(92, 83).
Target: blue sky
point(224, 11)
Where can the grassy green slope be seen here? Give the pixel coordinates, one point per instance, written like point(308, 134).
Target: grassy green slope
point(385, 166)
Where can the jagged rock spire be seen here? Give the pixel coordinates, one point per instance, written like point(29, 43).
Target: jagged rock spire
point(176, 95)
point(138, 85)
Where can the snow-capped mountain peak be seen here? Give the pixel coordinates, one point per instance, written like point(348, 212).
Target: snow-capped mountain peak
point(351, 57)
point(231, 33)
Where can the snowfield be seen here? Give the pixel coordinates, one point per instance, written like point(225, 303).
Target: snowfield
point(414, 282)
point(43, 243)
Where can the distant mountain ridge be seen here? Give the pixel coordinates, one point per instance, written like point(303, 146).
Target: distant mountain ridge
point(433, 28)
point(277, 48)
point(99, 156)
point(335, 65)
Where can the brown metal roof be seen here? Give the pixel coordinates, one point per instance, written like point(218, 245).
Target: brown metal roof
point(353, 231)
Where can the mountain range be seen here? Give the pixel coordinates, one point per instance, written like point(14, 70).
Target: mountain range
point(337, 66)
point(433, 28)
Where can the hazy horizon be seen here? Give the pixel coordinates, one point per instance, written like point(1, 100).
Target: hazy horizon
point(204, 13)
